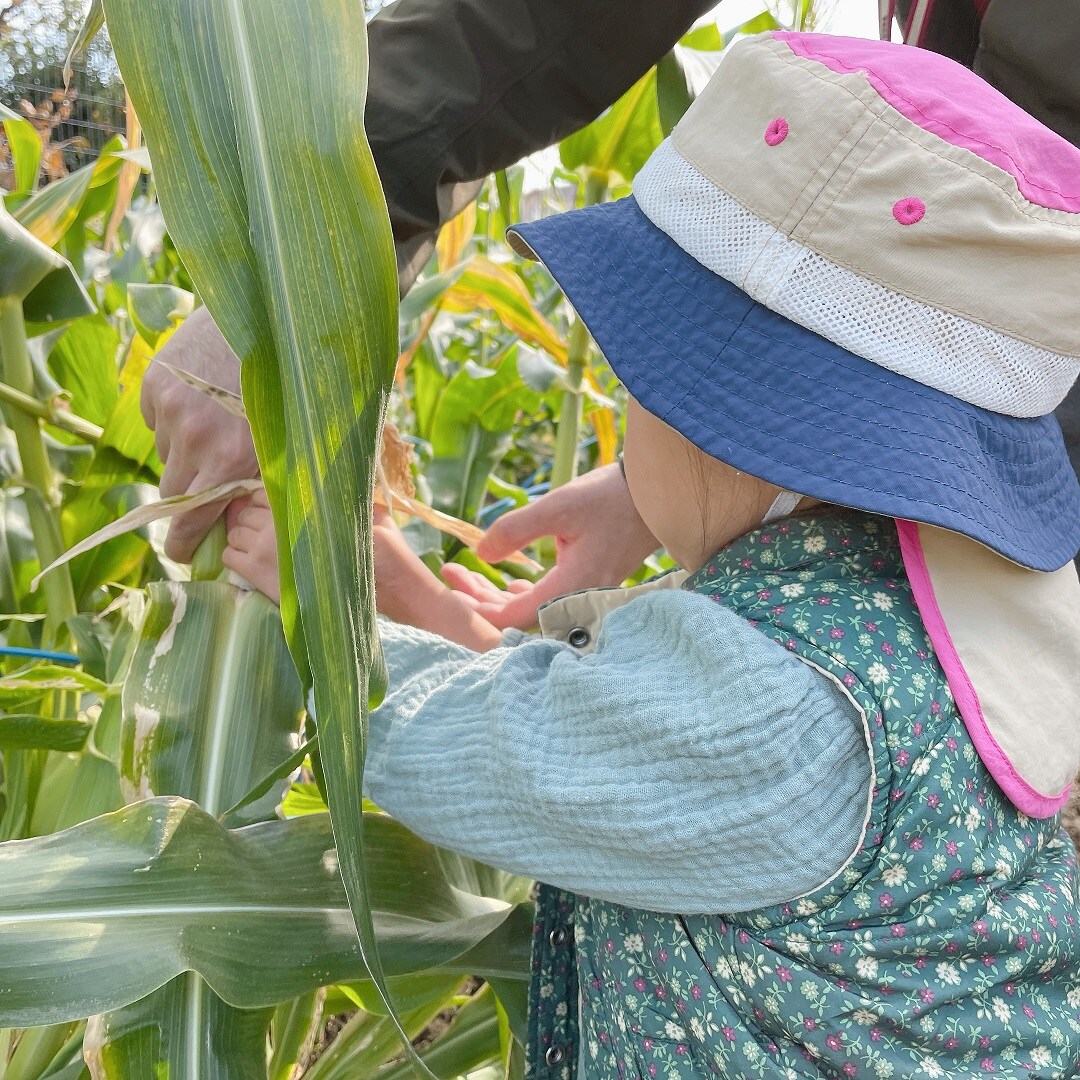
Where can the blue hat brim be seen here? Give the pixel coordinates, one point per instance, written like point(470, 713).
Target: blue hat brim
point(774, 399)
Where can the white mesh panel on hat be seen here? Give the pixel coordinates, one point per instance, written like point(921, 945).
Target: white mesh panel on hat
point(975, 363)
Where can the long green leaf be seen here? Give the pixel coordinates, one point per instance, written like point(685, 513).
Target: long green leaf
point(471, 1040)
point(226, 1044)
point(102, 914)
point(50, 212)
point(25, 146)
point(32, 273)
point(211, 704)
point(471, 431)
point(35, 732)
point(618, 143)
point(272, 199)
point(93, 21)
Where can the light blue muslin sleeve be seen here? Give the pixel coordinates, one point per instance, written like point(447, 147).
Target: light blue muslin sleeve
point(690, 764)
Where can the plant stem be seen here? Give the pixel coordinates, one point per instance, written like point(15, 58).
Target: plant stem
point(41, 491)
point(502, 186)
point(60, 418)
point(596, 185)
point(206, 562)
point(564, 467)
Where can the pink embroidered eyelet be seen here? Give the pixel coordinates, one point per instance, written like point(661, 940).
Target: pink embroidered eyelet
point(908, 211)
point(777, 131)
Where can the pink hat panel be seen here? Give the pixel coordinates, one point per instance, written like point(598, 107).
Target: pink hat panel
point(945, 98)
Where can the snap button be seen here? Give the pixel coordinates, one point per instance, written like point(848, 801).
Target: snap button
point(555, 1055)
point(557, 937)
point(579, 637)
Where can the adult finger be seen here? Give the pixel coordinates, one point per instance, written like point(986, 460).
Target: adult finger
point(187, 530)
point(178, 474)
point(148, 393)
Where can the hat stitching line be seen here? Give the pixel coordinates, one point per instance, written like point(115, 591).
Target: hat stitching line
point(824, 186)
point(666, 271)
point(735, 327)
point(892, 125)
point(718, 359)
point(728, 343)
point(912, 294)
point(922, 112)
point(845, 187)
point(1024, 204)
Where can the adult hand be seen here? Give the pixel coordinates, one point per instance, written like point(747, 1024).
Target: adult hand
point(200, 442)
point(600, 540)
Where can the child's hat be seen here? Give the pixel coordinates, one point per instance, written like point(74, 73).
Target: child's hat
point(853, 270)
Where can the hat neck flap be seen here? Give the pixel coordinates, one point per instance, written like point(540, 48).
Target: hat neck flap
point(1008, 639)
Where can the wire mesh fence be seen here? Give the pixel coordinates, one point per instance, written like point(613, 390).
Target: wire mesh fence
point(76, 121)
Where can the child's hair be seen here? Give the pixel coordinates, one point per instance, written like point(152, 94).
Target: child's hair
point(697, 463)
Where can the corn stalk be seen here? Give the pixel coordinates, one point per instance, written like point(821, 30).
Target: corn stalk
point(32, 276)
point(270, 193)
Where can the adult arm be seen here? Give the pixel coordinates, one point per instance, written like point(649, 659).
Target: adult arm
point(457, 89)
point(460, 88)
point(690, 764)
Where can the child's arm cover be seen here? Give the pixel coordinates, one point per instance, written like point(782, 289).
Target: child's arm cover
point(689, 765)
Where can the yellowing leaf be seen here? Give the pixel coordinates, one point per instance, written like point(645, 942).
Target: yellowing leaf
point(491, 287)
point(453, 237)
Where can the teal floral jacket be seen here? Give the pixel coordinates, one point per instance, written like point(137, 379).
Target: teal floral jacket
point(946, 947)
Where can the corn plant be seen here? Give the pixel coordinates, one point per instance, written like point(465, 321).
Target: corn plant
point(175, 898)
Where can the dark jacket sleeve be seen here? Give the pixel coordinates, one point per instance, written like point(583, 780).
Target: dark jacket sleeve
point(460, 88)
point(1027, 49)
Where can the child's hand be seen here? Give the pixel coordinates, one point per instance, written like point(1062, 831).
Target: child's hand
point(252, 550)
point(408, 592)
point(405, 589)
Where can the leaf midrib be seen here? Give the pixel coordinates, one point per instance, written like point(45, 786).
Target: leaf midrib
point(146, 911)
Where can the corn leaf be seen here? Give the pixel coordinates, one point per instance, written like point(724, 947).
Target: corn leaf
point(157, 309)
point(618, 143)
point(128, 1044)
point(50, 212)
point(93, 21)
point(211, 704)
point(271, 197)
point(487, 285)
point(35, 732)
point(24, 144)
point(100, 915)
point(454, 236)
point(30, 272)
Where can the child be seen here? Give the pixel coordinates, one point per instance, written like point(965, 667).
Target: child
point(797, 806)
